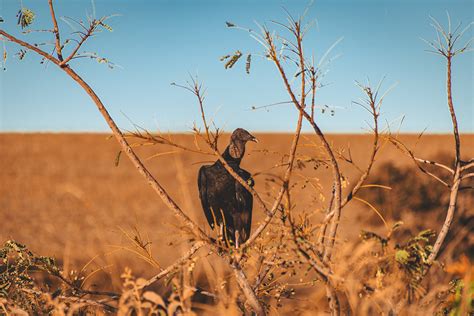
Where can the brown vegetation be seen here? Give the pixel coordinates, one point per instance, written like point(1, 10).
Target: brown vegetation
point(54, 201)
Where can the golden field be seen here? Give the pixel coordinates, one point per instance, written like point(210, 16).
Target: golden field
point(63, 196)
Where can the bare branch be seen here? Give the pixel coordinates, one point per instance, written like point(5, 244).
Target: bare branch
point(449, 218)
point(55, 31)
point(121, 140)
point(173, 266)
point(449, 53)
point(84, 37)
point(434, 163)
point(374, 111)
point(30, 47)
point(246, 288)
point(467, 165)
point(468, 175)
point(407, 151)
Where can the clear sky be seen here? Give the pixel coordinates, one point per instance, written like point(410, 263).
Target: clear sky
point(159, 42)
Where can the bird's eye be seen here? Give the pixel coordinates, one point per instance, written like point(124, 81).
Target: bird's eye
point(250, 182)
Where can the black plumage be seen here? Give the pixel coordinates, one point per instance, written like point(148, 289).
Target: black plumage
point(226, 202)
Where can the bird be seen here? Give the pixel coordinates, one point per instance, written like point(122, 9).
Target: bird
point(227, 204)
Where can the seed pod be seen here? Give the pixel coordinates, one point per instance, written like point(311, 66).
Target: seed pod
point(247, 64)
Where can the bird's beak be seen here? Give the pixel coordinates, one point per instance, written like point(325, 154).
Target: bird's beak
point(254, 139)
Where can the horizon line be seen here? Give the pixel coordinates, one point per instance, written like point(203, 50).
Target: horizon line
point(257, 132)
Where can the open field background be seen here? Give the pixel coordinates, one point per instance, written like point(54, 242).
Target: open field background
point(63, 196)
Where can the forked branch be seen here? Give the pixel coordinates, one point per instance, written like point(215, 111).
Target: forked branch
point(448, 50)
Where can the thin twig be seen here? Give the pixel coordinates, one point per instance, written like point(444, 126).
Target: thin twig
point(55, 31)
point(173, 266)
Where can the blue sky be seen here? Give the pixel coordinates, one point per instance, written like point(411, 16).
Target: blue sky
point(159, 42)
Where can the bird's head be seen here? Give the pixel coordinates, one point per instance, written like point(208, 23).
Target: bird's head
point(241, 135)
point(238, 139)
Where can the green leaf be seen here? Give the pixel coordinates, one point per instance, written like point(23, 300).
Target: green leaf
point(402, 256)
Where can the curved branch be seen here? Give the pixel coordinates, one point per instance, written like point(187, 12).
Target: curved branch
point(458, 167)
point(448, 220)
point(434, 163)
point(407, 151)
point(467, 175)
point(469, 164)
point(30, 47)
point(156, 186)
point(134, 158)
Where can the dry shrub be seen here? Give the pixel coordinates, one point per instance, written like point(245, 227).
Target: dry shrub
point(419, 203)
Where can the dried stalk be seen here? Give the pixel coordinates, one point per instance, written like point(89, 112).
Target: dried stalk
point(448, 51)
point(457, 173)
point(173, 266)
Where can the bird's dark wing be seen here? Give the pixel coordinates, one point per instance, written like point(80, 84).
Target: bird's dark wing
point(244, 199)
point(204, 196)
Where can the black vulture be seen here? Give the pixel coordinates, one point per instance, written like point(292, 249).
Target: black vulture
point(226, 202)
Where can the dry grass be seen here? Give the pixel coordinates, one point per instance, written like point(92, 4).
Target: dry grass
point(62, 195)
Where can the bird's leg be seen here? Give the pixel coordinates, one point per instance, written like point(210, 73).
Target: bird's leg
point(236, 239)
point(221, 231)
